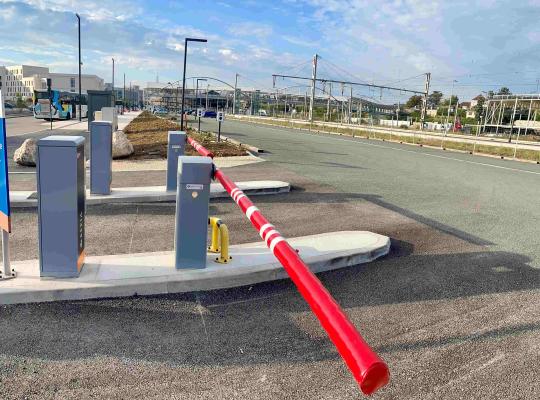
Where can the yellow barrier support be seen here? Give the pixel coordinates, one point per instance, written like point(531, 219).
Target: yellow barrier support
point(214, 245)
point(224, 240)
point(220, 240)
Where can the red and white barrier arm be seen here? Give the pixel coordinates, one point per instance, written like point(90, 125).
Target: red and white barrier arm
point(368, 369)
point(197, 146)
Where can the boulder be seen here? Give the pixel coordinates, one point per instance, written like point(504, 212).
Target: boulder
point(26, 154)
point(121, 146)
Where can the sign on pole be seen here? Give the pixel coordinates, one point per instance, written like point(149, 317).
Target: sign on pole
point(5, 212)
point(5, 209)
point(220, 116)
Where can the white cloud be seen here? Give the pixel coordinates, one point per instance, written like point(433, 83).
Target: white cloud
point(250, 29)
point(228, 54)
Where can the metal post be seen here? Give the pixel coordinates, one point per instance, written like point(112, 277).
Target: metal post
point(183, 86)
point(313, 81)
point(449, 105)
point(80, 64)
point(124, 95)
point(114, 93)
point(424, 101)
point(197, 93)
point(526, 127)
point(234, 94)
point(219, 132)
point(512, 122)
point(305, 105)
point(7, 273)
point(206, 105)
point(350, 107)
point(328, 102)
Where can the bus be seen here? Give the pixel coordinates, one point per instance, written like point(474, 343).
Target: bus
point(64, 105)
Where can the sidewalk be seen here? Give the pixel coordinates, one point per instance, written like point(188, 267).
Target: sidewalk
point(151, 194)
point(155, 273)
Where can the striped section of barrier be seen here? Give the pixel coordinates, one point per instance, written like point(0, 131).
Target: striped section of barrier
point(200, 149)
point(368, 369)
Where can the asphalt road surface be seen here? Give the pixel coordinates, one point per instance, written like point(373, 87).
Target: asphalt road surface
point(453, 309)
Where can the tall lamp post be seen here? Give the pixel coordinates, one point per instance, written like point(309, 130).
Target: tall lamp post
point(80, 64)
point(184, 78)
point(124, 95)
point(114, 94)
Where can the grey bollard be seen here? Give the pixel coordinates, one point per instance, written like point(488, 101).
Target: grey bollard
point(100, 157)
point(61, 205)
point(175, 149)
point(192, 198)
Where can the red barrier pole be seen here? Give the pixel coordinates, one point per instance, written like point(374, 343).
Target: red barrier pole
point(202, 151)
point(368, 369)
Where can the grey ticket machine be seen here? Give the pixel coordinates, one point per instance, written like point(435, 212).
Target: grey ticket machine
point(100, 157)
point(175, 149)
point(192, 197)
point(61, 205)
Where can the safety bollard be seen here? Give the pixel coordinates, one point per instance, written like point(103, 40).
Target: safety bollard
point(220, 240)
point(100, 157)
point(175, 149)
point(192, 200)
point(61, 205)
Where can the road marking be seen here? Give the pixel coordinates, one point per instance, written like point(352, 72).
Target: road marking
point(411, 151)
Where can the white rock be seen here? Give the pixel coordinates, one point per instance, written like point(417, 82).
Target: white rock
point(121, 146)
point(26, 154)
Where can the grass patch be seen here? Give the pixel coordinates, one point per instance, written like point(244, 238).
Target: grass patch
point(149, 136)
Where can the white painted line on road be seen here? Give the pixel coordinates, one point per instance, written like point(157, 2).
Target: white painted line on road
point(414, 152)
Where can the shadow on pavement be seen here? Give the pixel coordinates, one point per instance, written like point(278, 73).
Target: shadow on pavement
point(262, 323)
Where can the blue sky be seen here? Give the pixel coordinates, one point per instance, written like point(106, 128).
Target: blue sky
point(482, 44)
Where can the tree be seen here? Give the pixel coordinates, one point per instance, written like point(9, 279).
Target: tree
point(434, 99)
point(479, 107)
point(414, 101)
point(453, 100)
point(504, 90)
point(19, 102)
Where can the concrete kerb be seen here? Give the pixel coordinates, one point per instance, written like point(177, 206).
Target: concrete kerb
point(153, 194)
point(154, 273)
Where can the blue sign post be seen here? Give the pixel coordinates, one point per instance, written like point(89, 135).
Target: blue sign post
point(5, 210)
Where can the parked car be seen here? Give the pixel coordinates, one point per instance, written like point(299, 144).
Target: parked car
point(8, 106)
point(210, 114)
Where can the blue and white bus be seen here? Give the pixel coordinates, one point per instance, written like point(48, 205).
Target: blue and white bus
point(64, 105)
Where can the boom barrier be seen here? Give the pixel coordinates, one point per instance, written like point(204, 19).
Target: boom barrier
point(368, 369)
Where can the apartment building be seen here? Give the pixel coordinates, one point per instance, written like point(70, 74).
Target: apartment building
point(24, 79)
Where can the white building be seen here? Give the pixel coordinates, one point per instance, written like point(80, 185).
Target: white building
point(24, 79)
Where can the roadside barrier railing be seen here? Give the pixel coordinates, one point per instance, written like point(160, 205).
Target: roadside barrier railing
point(370, 371)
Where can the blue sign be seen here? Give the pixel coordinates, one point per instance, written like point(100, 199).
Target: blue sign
point(5, 210)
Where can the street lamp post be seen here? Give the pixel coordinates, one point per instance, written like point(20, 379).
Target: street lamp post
point(80, 64)
point(184, 77)
point(114, 93)
point(124, 95)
